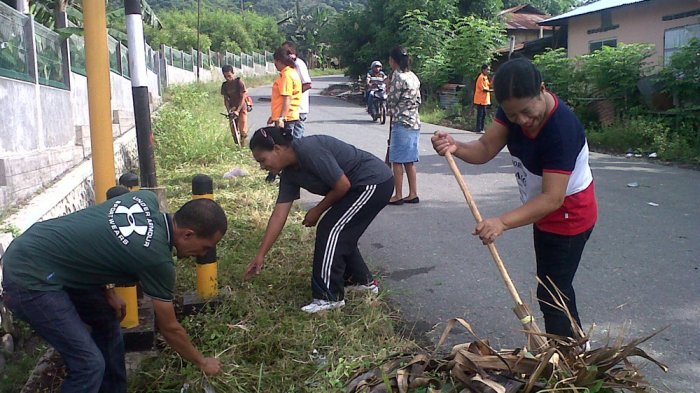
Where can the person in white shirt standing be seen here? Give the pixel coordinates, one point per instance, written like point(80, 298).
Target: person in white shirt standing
point(303, 72)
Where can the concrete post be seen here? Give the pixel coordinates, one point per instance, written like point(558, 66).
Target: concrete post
point(139, 93)
point(22, 6)
point(62, 21)
point(30, 48)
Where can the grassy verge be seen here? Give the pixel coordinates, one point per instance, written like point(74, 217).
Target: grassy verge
point(327, 71)
point(456, 116)
point(258, 332)
point(20, 363)
point(674, 141)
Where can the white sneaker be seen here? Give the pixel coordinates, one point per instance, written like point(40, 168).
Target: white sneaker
point(372, 287)
point(322, 305)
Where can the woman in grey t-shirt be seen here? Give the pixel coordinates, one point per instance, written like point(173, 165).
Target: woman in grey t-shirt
point(356, 186)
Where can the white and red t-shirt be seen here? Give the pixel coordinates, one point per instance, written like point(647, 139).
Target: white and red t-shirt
point(559, 146)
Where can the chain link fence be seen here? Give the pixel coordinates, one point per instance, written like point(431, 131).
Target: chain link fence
point(16, 42)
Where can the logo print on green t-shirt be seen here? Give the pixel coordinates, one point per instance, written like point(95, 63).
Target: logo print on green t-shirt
point(125, 221)
point(130, 211)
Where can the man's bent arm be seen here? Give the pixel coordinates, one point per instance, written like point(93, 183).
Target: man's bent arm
point(176, 336)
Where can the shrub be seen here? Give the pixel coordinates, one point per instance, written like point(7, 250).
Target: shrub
point(682, 74)
point(613, 73)
point(642, 133)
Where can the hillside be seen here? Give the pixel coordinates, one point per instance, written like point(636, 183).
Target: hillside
point(269, 7)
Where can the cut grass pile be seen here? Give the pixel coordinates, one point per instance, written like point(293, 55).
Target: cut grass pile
point(263, 339)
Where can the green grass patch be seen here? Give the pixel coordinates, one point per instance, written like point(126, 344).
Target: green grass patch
point(20, 363)
point(265, 342)
point(327, 71)
point(431, 112)
point(645, 134)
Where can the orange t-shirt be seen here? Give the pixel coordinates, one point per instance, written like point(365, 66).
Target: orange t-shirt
point(288, 84)
point(482, 97)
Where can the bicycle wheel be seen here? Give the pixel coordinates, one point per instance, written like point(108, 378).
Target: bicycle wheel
point(382, 114)
point(234, 132)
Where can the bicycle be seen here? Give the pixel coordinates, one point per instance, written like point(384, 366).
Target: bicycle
point(232, 117)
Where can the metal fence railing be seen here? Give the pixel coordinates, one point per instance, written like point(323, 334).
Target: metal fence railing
point(77, 55)
point(177, 58)
point(151, 58)
point(187, 62)
point(18, 49)
point(124, 60)
point(49, 58)
point(168, 55)
point(13, 49)
point(112, 45)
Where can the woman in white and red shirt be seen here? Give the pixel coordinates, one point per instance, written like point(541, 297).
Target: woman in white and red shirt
point(549, 151)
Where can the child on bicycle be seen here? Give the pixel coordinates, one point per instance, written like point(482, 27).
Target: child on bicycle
point(234, 91)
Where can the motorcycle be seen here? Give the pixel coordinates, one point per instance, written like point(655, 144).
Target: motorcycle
point(378, 107)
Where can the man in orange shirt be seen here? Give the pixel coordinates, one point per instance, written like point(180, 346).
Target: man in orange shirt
point(482, 97)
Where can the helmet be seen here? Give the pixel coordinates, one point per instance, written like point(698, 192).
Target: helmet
point(376, 63)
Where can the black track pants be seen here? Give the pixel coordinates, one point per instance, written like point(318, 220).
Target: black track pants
point(337, 260)
point(558, 257)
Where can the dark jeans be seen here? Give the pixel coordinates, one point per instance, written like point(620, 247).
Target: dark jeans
point(480, 117)
point(558, 257)
point(94, 359)
point(370, 103)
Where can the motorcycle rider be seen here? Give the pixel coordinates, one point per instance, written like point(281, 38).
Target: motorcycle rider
point(375, 77)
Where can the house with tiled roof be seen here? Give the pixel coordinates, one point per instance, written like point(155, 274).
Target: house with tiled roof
point(522, 23)
point(666, 24)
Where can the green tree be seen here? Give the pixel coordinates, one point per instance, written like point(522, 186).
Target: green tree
point(219, 31)
point(306, 28)
point(613, 72)
point(426, 40)
point(481, 8)
point(474, 43)
point(682, 75)
point(363, 34)
point(560, 74)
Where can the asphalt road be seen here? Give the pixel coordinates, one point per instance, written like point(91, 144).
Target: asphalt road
point(640, 271)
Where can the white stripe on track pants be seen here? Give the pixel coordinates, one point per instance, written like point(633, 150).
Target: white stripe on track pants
point(337, 260)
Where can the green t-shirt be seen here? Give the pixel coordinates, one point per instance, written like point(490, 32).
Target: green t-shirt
point(120, 241)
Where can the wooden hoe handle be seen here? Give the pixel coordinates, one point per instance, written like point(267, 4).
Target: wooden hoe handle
point(477, 216)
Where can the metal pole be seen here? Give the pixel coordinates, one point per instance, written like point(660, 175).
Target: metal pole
point(199, 49)
point(139, 93)
point(99, 97)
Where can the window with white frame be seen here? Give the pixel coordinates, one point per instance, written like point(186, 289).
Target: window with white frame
point(595, 45)
point(675, 38)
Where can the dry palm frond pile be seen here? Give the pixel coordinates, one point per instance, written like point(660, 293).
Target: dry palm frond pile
point(558, 364)
point(563, 366)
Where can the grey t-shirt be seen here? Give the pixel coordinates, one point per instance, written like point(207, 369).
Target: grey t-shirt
point(322, 161)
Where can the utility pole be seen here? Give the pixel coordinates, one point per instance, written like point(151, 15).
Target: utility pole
point(139, 93)
point(199, 52)
point(99, 97)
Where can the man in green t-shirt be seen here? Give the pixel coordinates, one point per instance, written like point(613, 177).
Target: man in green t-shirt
point(56, 277)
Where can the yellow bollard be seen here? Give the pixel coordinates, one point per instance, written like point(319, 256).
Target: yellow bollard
point(132, 306)
point(207, 266)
